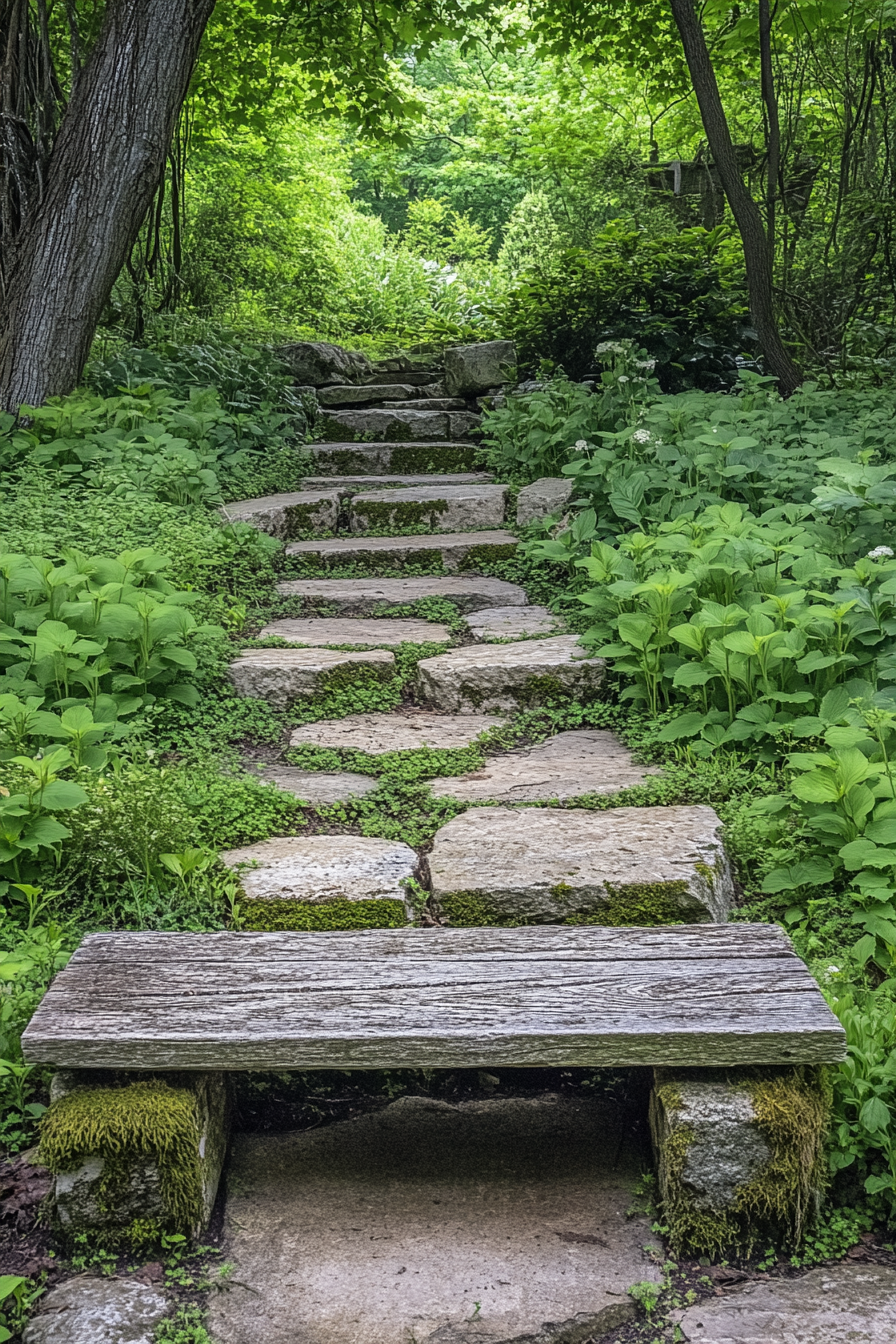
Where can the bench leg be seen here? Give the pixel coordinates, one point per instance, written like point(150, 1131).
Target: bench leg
point(135, 1155)
point(739, 1155)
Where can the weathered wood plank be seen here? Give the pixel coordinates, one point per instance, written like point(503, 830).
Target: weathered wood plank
point(587, 943)
point(705, 995)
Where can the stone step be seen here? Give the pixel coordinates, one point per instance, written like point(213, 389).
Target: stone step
point(366, 395)
point(505, 677)
point(458, 550)
point(282, 676)
point(398, 425)
point(498, 623)
point(287, 516)
point(372, 459)
point(469, 593)
point(568, 765)
point(627, 865)
point(547, 496)
point(406, 730)
point(320, 869)
point(315, 786)
point(428, 404)
point(318, 632)
point(447, 508)
point(350, 485)
point(416, 378)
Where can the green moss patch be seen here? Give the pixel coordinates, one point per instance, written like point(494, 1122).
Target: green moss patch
point(303, 520)
point(144, 1121)
point(302, 916)
point(644, 905)
point(477, 556)
point(468, 910)
point(403, 516)
point(413, 459)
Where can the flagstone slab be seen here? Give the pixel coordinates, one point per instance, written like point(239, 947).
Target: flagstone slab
point(442, 508)
point(317, 787)
point(507, 676)
point(321, 631)
point(566, 766)
point(512, 623)
point(627, 865)
point(400, 423)
point(457, 549)
point(471, 592)
point(424, 1219)
point(282, 676)
point(377, 734)
point(318, 869)
point(288, 515)
point(831, 1305)
point(91, 1310)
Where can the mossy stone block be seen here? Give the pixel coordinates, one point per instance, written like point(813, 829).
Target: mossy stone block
point(134, 1156)
point(739, 1154)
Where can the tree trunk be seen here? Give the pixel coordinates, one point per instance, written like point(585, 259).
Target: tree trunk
point(743, 207)
point(102, 174)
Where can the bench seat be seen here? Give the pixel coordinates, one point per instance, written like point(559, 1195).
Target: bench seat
point(700, 996)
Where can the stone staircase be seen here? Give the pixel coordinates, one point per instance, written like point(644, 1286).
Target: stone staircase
point(391, 506)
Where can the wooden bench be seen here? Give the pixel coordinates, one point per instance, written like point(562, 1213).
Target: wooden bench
point(691, 995)
point(692, 999)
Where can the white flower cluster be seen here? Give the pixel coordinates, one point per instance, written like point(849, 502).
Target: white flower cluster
point(581, 445)
point(642, 436)
point(647, 364)
point(611, 348)
point(881, 553)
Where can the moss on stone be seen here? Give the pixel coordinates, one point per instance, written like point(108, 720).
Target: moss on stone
point(302, 916)
point(422, 561)
point(644, 905)
point(469, 910)
point(412, 459)
point(401, 516)
point(302, 520)
point(487, 555)
point(347, 462)
point(147, 1120)
point(792, 1111)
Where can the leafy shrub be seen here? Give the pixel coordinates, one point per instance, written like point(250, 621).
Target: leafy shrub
point(108, 632)
point(679, 297)
point(863, 1128)
point(716, 608)
point(248, 379)
point(543, 432)
point(147, 444)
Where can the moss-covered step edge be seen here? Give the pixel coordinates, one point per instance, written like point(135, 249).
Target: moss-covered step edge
point(638, 905)
point(396, 458)
point(320, 917)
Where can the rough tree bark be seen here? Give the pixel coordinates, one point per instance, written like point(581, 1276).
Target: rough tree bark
point(744, 209)
point(105, 167)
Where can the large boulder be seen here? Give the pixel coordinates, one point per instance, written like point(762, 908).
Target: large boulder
point(318, 364)
point(473, 369)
